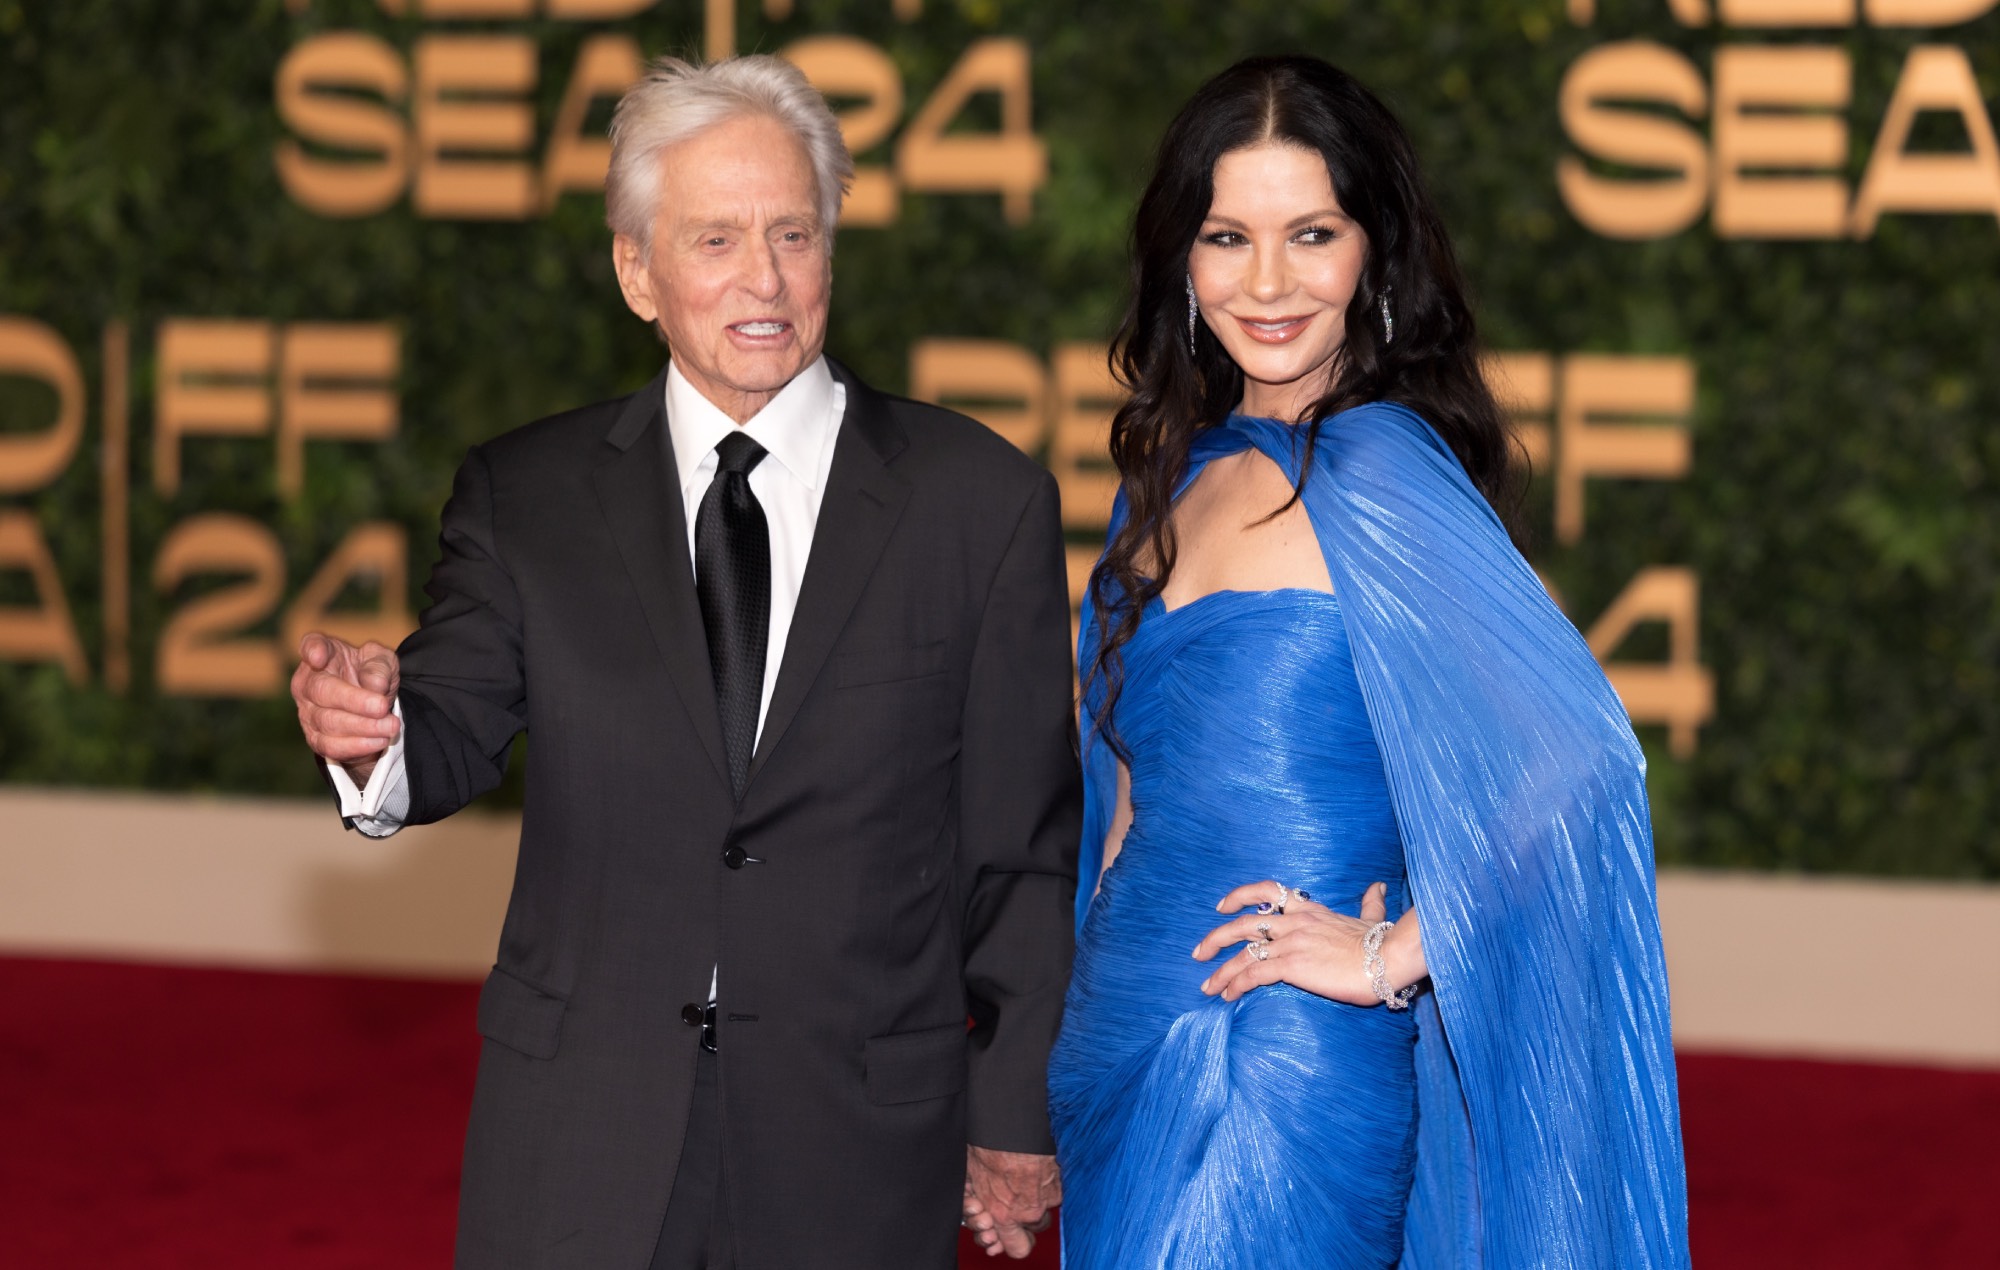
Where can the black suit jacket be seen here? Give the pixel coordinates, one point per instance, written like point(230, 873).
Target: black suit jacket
point(904, 854)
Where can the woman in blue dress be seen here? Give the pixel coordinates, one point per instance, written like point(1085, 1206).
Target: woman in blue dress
point(1368, 967)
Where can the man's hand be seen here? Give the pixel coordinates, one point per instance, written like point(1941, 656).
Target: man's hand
point(1008, 1196)
point(346, 697)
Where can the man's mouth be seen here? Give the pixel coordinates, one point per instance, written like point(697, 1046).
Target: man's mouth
point(761, 329)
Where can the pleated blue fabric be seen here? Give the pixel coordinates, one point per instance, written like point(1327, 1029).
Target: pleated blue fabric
point(1437, 724)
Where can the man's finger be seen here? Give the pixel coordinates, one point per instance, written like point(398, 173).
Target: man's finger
point(330, 691)
point(377, 667)
point(346, 749)
point(1015, 1241)
point(315, 650)
point(341, 723)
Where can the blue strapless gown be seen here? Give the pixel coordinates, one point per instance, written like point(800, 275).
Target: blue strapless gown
point(1437, 724)
point(1277, 1130)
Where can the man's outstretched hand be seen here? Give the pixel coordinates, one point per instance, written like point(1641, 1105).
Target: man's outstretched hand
point(346, 697)
point(1008, 1196)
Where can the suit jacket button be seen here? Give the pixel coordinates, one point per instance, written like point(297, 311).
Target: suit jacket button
point(734, 856)
point(691, 1014)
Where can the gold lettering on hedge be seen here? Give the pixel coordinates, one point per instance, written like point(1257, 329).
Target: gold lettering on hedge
point(476, 8)
point(840, 67)
point(1000, 384)
point(1780, 206)
point(449, 70)
point(1637, 72)
point(1086, 396)
point(114, 470)
point(1014, 161)
point(201, 392)
point(718, 22)
point(606, 67)
point(1686, 12)
point(334, 384)
point(197, 657)
point(32, 350)
point(1524, 384)
point(1775, 13)
point(1598, 387)
point(1680, 693)
point(1935, 77)
point(376, 552)
point(42, 631)
point(1926, 12)
point(597, 10)
point(374, 177)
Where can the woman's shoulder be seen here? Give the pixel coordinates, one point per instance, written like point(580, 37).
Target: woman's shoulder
point(1383, 433)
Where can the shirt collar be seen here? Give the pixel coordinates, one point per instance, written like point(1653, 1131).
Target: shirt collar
point(794, 426)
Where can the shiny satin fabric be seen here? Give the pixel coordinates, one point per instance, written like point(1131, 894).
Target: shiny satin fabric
point(1548, 1126)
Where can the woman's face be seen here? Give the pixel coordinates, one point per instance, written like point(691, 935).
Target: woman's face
point(1274, 267)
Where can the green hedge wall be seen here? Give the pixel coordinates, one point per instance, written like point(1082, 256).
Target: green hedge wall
point(1842, 513)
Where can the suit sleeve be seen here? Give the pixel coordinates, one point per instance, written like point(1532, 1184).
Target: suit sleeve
point(1019, 815)
point(464, 693)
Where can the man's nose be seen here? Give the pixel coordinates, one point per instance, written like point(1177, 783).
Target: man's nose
point(761, 275)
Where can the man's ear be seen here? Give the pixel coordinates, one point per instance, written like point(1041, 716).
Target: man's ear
point(628, 258)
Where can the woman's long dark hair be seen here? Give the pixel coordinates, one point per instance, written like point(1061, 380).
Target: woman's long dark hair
point(1432, 366)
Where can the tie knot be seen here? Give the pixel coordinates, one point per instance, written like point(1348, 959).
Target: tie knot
point(737, 453)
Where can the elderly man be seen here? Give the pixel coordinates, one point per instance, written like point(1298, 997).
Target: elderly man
point(793, 657)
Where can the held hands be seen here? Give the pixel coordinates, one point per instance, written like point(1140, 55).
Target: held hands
point(1008, 1196)
point(1308, 946)
point(346, 697)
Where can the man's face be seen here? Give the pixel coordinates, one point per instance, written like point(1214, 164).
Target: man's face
point(740, 269)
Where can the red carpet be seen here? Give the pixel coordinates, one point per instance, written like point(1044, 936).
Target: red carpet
point(158, 1118)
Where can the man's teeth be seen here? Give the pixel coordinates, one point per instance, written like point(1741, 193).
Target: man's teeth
point(760, 328)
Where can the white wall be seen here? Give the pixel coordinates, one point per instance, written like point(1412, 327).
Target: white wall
point(1840, 968)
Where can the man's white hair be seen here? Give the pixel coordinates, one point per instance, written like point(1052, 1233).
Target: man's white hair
point(674, 100)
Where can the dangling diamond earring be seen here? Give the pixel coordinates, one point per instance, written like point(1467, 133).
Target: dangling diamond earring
point(1193, 311)
point(1388, 318)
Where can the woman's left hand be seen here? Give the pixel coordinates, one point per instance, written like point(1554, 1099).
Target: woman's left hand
point(1308, 945)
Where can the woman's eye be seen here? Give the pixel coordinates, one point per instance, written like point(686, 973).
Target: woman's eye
point(1317, 236)
point(1223, 238)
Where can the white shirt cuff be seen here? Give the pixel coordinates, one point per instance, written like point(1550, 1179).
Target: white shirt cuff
point(379, 809)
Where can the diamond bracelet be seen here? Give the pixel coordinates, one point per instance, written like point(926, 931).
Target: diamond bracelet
point(1377, 970)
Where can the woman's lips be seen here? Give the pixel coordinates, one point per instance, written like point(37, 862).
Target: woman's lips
point(1280, 330)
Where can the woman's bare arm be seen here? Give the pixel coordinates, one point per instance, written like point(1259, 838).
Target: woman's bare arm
point(1121, 820)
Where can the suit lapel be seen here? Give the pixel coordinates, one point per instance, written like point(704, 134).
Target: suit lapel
point(862, 503)
point(639, 491)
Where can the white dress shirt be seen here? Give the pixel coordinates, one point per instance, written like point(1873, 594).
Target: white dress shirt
point(797, 428)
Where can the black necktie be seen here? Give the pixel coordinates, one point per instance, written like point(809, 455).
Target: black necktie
point(732, 579)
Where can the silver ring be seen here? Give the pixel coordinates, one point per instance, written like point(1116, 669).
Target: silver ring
point(1264, 929)
point(1261, 951)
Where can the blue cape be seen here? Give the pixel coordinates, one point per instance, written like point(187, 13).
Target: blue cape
point(1549, 1127)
